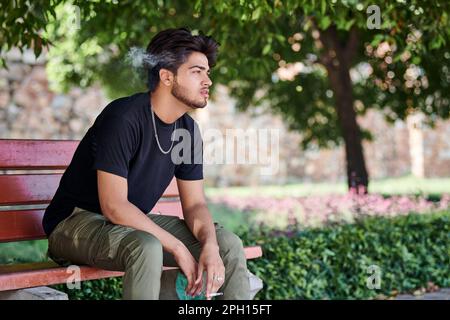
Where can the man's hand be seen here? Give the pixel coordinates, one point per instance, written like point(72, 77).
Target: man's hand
point(187, 264)
point(211, 262)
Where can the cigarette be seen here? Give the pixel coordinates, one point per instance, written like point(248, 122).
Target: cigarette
point(215, 294)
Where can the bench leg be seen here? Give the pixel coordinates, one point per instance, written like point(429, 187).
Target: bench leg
point(38, 293)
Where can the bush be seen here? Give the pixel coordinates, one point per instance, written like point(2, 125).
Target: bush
point(102, 289)
point(332, 262)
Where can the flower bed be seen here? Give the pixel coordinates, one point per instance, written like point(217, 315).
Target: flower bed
point(315, 211)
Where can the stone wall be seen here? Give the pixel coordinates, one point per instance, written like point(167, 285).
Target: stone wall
point(29, 109)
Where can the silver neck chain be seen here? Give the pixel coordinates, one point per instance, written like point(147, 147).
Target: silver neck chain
point(156, 134)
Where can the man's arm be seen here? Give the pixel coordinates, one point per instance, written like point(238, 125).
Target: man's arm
point(199, 221)
point(196, 212)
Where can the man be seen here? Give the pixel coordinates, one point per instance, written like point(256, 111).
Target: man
point(100, 216)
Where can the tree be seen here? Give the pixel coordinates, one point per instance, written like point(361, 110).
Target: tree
point(320, 63)
point(22, 23)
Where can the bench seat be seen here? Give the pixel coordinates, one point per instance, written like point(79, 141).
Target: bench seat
point(28, 275)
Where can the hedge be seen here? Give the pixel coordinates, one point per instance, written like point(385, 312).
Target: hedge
point(332, 262)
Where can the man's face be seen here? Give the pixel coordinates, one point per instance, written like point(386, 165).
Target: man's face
point(191, 84)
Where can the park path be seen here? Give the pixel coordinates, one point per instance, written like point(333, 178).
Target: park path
point(441, 294)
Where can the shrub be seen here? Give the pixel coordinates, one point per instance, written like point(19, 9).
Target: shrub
point(332, 262)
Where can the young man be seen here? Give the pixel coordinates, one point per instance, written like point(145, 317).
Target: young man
point(100, 215)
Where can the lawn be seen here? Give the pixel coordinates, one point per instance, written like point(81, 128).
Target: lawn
point(23, 251)
point(392, 186)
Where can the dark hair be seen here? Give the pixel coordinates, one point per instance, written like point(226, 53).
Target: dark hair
point(173, 47)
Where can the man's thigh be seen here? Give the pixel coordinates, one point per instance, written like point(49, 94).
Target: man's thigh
point(87, 238)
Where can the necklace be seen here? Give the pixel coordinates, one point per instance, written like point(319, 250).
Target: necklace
point(156, 134)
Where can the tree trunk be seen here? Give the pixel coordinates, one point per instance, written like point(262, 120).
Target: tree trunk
point(337, 62)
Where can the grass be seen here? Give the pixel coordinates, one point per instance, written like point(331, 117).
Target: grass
point(433, 187)
point(230, 218)
point(24, 251)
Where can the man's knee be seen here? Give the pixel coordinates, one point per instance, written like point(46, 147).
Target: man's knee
point(143, 245)
point(229, 241)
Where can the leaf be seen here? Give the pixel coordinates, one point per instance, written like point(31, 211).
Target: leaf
point(256, 14)
point(324, 23)
point(416, 60)
point(437, 42)
point(323, 6)
point(281, 39)
point(349, 24)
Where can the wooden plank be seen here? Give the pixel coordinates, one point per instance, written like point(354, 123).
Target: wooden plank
point(172, 189)
point(169, 208)
point(49, 273)
point(20, 189)
point(253, 252)
point(53, 275)
point(17, 225)
point(36, 154)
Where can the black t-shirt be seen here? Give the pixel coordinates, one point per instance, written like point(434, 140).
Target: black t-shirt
point(122, 141)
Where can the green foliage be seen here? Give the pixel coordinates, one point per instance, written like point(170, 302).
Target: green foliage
point(399, 67)
point(103, 289)
point(417, 33)
point(24, 251)
point(331, 263)
point(22, 22)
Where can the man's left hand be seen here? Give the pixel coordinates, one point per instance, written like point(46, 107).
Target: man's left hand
point(211, 262)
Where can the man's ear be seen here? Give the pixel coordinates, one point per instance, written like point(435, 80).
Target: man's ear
point(166, 77)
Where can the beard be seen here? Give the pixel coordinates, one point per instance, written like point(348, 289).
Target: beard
point(179, 91)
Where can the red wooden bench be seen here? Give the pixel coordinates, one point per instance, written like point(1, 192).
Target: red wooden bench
point(36, 188)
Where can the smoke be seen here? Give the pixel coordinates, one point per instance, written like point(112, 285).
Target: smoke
point(139, 58)
point(143, 62)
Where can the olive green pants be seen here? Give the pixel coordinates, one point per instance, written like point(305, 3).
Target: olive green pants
point(88, 238)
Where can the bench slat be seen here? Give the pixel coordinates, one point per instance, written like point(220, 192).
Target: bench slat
point(36, 154)
point(169, 208)
point(49, 273)
point(40, 188)
point(18, 225)
point(28, 188)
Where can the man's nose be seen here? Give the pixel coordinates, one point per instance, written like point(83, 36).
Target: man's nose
point(207, 81)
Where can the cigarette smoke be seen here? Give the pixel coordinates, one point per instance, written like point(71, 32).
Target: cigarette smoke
point(139, 58)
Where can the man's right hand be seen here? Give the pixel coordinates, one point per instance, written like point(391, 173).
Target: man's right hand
point(188, 266)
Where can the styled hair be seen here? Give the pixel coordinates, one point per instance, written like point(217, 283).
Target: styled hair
point(170, 48)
